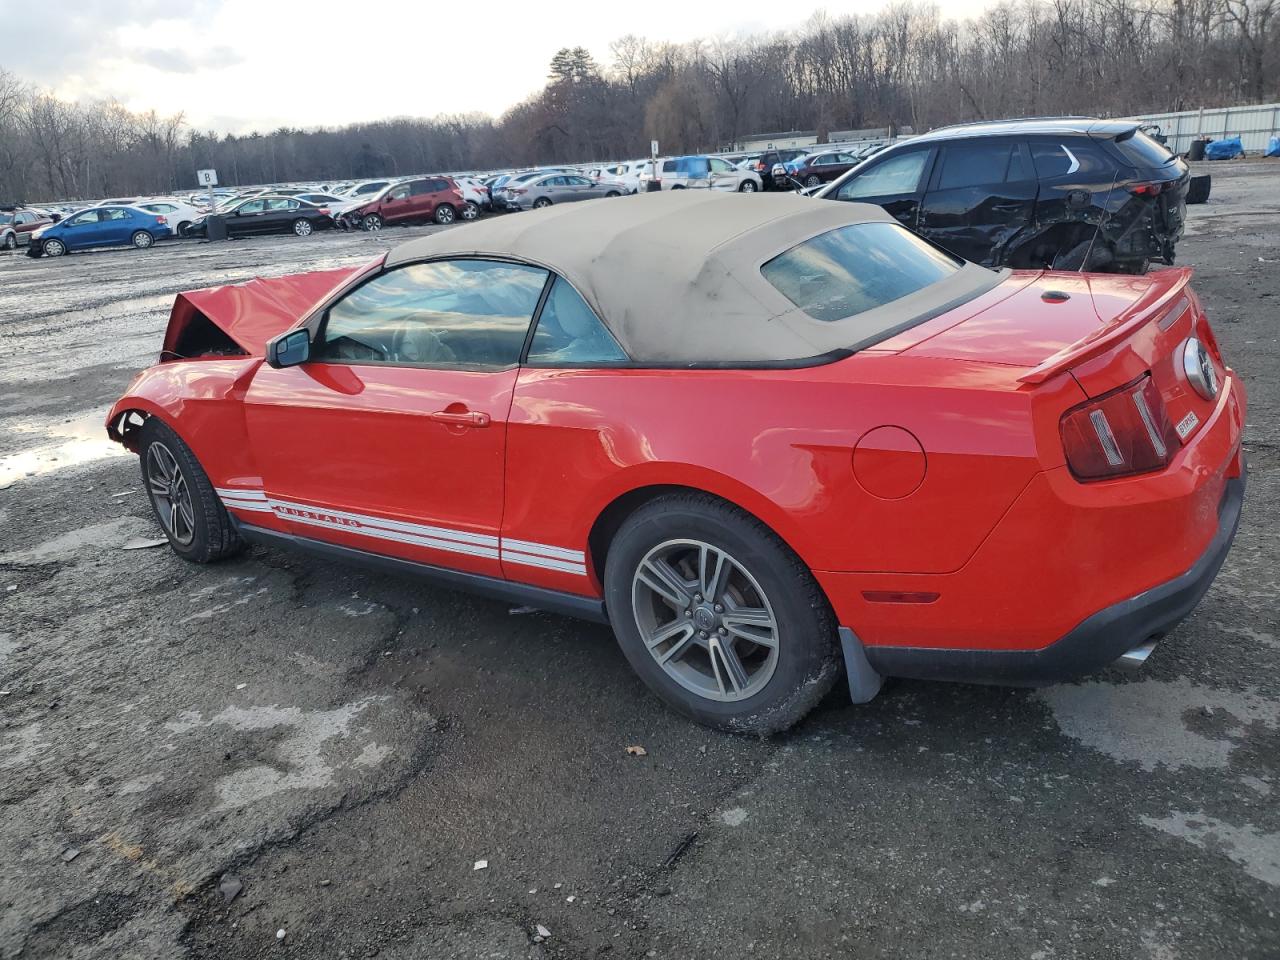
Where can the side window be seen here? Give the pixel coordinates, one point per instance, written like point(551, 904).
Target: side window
point(1073, 156)
point(115, 213)
point(398, 193)
point(280, 203)
point(254, 206)
point(438, 184)
point(419, 187)
point(89, 216)
point(569, 332)
point(460, 314)
point(1020, 168)
point(978, 163)
point(720, 166)
point(892, 176)
point(669, 166)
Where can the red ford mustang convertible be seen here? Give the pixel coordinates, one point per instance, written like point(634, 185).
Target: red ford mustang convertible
point(764, 438)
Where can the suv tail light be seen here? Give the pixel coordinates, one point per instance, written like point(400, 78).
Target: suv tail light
point(1146, 189)
point(1123, 432)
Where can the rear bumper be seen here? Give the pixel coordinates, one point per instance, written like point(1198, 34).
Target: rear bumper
point(1098, 641)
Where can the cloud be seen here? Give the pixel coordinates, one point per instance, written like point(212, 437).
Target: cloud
point(184, 61)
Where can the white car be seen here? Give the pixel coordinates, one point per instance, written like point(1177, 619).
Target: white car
point(699, 173)
point(627, 174)
point(178, 212)
point(473, 191)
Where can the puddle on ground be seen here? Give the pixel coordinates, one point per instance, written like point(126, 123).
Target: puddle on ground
point(68, 444)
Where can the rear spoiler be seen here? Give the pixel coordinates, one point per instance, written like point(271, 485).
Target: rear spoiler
point(1163, 296)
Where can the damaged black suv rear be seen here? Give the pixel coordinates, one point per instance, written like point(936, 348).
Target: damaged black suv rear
point(1072, 193)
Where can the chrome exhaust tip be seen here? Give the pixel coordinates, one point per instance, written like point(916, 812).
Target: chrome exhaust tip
point(1135, 658)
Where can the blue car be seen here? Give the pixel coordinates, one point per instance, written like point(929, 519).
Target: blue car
point(107, 226)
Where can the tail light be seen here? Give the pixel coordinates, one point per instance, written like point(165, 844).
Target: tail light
point(160, 220)
point(1146, 189)
point(517, 190)
point(1123, 432)
point(324, 211)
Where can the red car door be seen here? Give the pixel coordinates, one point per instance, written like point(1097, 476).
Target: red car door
point(391, 438)
point(397, 205)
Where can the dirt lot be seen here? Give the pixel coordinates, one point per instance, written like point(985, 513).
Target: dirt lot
point(347, 745)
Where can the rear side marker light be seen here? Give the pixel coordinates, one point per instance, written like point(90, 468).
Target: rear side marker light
point(899, 596)
point(1124, 432)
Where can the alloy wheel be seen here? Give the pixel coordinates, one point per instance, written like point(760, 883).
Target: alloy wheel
point(169, 492)
point(470, 211)
point(811, 180)
point(748, 186)
point(705, 620)
point(302, 227)
point(373, 222)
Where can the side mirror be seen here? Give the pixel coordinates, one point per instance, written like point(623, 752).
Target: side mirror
point(289, 349)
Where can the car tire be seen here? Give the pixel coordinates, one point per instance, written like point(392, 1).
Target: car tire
point(10, 241)
point(302, 227)
point(445, 214)
point(678, 186)
point(613, 193)
point(185, 504)
point(747, 186)
point(54, 248)
point(541, 203)
point(470, 210)
point(372, 223)
point(776, 684)
point(811, 180)
point(142, 239)
point(183, 227)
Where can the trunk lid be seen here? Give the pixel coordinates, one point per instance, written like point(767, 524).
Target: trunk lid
point(1111, 331)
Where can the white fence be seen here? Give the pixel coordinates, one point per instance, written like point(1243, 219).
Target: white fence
point(1253, 125)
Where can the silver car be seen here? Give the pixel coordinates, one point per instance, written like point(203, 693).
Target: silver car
point(559, 188)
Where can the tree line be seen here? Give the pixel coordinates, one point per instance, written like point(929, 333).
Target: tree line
point(905, 65)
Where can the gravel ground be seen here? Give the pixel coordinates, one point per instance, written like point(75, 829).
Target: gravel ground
point(347, 746)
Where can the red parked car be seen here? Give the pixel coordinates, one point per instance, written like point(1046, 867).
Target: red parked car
point(793, 435)
point(413, 201)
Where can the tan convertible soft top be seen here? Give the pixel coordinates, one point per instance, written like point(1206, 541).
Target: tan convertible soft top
point(676, 274)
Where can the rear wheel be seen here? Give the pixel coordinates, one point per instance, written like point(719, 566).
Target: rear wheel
point(54, 248)
point(141, 239)
point(302, 227)
point(184, 501)
point(718, 616)
point(811, 180)
point(445, 213)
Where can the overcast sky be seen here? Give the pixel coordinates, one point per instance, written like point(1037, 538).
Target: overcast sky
point(238, 65)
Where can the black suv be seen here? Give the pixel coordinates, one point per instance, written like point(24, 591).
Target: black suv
point(1032, 193)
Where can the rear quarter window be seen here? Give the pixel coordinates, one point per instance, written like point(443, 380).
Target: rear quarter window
point(1075, 156)
point(857, 268)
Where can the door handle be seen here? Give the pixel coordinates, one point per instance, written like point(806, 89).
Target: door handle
point(461, 418)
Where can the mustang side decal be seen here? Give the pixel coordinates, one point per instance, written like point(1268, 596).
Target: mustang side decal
point(437, 538)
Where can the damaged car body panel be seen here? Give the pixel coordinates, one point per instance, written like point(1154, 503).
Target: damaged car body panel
point(1068, 194)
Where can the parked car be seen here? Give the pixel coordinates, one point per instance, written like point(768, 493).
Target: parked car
point(538, 192)
point(475, 194)
point(17, 224)
point(413, 201)
point(179, 214)
point(817, 168)
point(105, 226)
point(367, 187)
point(266, 214)
point(320, 199)
point(910, 462)
point(678, 173)
point(725, 176)
point(765, 162)
point(1033, 193)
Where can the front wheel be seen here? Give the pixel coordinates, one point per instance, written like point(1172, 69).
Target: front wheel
point(54, 248)
point(541, 203)
point(302, 227)
point(183, 227)
point(613, 193)
point(747, 186)
point(11, 241)
point(141, 239)
point(372, 223)
point(445, 214)
point(718, 616)
point(183, 498)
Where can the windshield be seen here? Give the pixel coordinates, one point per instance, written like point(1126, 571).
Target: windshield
point(857, 268)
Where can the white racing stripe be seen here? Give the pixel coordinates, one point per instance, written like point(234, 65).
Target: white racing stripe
point(542, 555)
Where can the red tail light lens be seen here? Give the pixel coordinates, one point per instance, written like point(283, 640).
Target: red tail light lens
point(1123, 432)
point(324, 211)
point(160, 219)
point(1147, 189)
